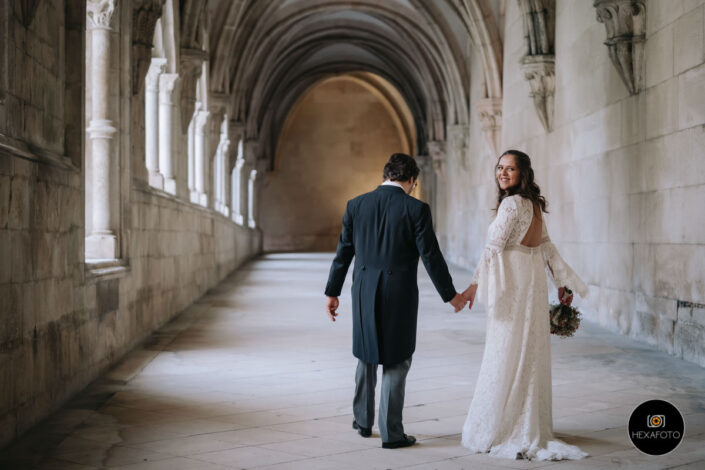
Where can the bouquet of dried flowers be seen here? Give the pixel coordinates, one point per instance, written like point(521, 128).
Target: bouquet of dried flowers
point(565, 319)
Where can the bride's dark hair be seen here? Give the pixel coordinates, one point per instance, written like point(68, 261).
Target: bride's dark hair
point(526, 187)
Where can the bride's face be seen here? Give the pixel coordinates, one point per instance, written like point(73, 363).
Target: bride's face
point(507, 172)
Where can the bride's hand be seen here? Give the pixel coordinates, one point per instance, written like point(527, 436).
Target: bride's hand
point(469, 295)
point(563, 298)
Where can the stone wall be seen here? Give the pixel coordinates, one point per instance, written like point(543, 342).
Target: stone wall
point(623, 174)
point(62, 321)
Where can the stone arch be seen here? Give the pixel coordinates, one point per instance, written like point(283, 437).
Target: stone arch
point(275, 36)
point(329, 157)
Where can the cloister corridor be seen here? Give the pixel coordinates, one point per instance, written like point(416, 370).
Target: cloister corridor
point(254, 375)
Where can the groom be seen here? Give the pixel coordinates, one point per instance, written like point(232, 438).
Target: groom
point(386, 231)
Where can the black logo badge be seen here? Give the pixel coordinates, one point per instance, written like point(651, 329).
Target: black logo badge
point(656, 427)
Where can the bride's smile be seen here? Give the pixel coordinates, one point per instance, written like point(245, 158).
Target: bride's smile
point(507, 173)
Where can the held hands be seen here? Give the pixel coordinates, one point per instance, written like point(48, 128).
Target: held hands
point(458, 302)
point(331, 307)
point(565, 296)
point(469, 295)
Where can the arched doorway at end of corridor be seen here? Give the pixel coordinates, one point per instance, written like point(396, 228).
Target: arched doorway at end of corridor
point(333, 146)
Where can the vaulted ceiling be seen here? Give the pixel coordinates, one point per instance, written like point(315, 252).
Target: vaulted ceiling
point(265, 54)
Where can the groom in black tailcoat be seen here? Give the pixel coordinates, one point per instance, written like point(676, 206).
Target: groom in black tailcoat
point(387, 231)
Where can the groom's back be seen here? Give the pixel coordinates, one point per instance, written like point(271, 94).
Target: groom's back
point(384, 227)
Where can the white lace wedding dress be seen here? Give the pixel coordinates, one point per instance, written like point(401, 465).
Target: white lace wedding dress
point(510, 412)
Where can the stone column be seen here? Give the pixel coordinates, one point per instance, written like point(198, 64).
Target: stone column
point(151, 122)
point(200, 160)
point(250, 155)
point(252, 199)
point(238, 197)
point(217, 178)
point(224, 158)
point(102, 242)
point(167, 85)
point(225, 181)
point(190, 156)
point(234, 158)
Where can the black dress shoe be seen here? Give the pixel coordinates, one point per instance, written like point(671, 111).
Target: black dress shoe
point(364, 432)
point(405, 441)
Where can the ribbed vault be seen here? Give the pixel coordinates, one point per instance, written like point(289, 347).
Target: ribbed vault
point(264, 55)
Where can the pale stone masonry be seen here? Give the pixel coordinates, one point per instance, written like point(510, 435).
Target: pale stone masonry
point(63, 321)
point(623, 174)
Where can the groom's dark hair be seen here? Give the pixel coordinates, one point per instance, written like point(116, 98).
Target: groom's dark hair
point(400, 167)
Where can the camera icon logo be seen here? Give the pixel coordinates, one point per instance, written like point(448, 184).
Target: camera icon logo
point(656, 421)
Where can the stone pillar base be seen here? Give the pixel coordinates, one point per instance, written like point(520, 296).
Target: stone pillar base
point(170, 185)
point(156, 179)
point(238, 219)
point(226, 211)
point(101, 246)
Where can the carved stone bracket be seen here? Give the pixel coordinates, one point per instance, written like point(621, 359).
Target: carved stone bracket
point(457, 142)
point(145, 14)
point(437, 151)
point(251, 150)
point(25, 10)
point(540, 72)
point(423, 162)
point(625, 22)
point(217, 103)
point(490, 112)
point(538, 65)
point(191, 65)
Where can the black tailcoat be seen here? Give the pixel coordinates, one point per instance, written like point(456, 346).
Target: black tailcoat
point(387, 231)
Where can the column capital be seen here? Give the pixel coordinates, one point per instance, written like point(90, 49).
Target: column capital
point(167, 85)
point(490, 112)
point(191, 61)
point(145, 14)
point(190, 66)
point(218, 101)
point(156, 68)
point(99, 13)
point(251, 150)
point(201, 119)
point(423, 162)
point(437, 151)
point(236, 130)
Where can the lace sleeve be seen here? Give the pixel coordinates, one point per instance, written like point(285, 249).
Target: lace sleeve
point(559, 271)
point(499, 233)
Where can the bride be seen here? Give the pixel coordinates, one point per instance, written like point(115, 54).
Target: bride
point(510, 413)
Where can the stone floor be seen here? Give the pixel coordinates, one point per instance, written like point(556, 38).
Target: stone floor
point(255, 375)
